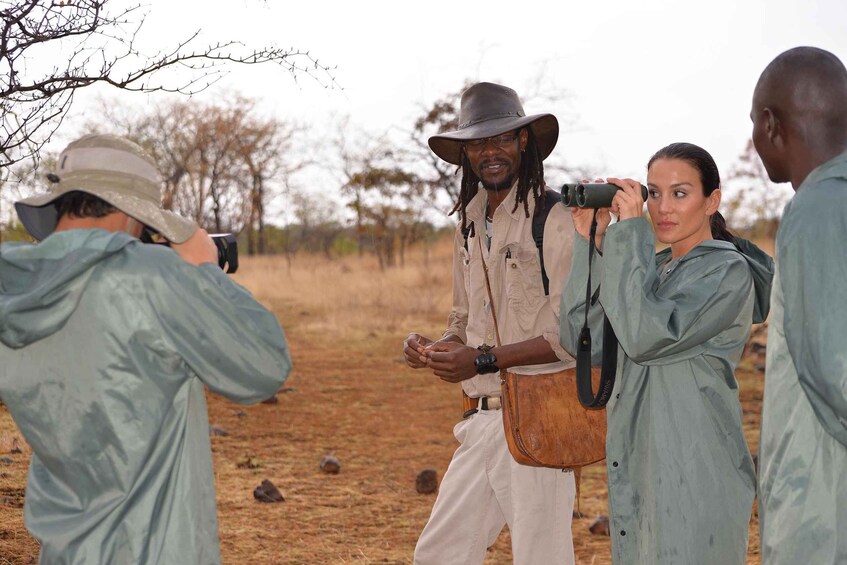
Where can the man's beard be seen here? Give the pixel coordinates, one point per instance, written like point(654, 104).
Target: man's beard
point(498, 186)
point(501, 185)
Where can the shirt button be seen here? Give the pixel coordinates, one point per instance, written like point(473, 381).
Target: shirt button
point(623, 532)
point(514, 265)
point(614, 463)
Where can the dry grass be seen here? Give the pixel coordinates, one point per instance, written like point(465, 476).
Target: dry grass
point(353, 397)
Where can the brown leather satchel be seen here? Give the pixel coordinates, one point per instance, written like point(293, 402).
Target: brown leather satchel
point(545, 424)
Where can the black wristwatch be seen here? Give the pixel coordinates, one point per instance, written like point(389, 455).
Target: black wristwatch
point(486, 363)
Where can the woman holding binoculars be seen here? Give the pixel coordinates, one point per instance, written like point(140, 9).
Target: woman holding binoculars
point(681, 478)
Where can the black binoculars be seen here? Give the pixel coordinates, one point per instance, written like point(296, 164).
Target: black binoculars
point(592, 195)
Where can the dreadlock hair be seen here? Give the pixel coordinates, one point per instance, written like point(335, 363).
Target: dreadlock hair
point(530, 179)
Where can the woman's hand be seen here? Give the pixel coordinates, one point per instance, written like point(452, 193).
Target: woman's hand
point(628, 202)
point(582, 218)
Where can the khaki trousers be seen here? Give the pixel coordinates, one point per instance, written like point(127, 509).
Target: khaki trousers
point(484, 489)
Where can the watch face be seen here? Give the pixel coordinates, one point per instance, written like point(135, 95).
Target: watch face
point(486, 369)
point(486, 363)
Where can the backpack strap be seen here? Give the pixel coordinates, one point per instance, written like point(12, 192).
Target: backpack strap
point(551, 199)
point(468, 232)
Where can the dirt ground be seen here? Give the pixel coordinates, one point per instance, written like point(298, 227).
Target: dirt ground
point(350, 395)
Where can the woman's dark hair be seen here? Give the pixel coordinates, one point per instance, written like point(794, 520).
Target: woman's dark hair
point(530, 179)
point(700, 159)
point(78, 204)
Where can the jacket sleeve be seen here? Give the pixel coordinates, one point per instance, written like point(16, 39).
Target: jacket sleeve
point(654, 329)
point(812, 264)
point(572, 309)
point(558, 251)
point(457, 323)
point(233, 343)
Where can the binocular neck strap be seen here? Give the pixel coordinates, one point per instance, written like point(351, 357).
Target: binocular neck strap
point(584, 387)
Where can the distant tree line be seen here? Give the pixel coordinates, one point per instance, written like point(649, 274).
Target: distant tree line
point(233, 169)
point(224, 164)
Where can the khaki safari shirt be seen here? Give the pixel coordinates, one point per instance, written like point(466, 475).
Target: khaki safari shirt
point(523, 311)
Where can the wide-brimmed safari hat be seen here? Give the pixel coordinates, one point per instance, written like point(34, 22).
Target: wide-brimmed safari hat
point(114, 169)
point(488, 110)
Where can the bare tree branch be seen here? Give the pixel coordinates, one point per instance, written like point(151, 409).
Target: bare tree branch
point(102, 47)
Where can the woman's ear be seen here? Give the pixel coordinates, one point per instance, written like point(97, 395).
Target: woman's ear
point(713, 202)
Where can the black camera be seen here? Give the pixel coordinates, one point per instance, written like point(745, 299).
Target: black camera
point(592, 195)
point(226, 243)
point(227, 246)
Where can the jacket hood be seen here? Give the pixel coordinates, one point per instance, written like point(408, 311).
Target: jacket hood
point(41, 285)
point(761, 267)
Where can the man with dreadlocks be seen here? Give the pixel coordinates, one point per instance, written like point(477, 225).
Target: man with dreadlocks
point(500, 147)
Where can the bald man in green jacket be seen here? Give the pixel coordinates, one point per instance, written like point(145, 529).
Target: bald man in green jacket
point(799, 118)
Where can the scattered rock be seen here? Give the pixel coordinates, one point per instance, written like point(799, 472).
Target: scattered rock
point(12, 497)
point(6, 460)
point(330, 464)
point(216, 431)
point(15, 447)
point(248, 463)
point(600, 526)
point(577, 515)
point(240, 414)
point(427, 481)
point(267, 492)
point(271, 400)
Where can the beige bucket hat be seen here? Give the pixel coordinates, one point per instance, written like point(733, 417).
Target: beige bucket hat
point(115, 170)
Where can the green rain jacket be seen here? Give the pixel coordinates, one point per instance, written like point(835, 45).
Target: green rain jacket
point(803, 444)
point(681, 478)
point(105, 347)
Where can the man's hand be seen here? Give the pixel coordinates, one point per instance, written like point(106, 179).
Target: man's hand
point(197, 249)
point(453, 362)
point(414, 350)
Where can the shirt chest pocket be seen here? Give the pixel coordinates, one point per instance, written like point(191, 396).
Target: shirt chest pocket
point(522, 279)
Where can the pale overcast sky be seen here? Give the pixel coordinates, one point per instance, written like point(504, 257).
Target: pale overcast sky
point(631, 76)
